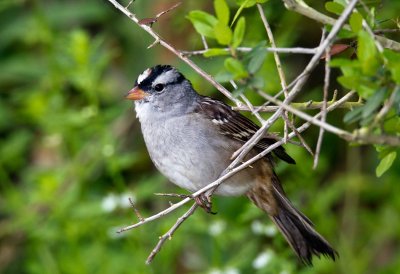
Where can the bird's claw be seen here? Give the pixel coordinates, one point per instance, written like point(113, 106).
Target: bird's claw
point(204, 201)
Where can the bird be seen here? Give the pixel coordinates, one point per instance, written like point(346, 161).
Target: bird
point(191, 138)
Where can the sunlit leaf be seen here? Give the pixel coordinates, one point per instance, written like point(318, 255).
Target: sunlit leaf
point(203, 22)
point(235, 67)
point(222, 11)
point(223, 33)
point(367, 53)
point(385, 163)
point(334, 7)
point(238, 32)
point(393, 63)
point(356, 22)
point(245, 4)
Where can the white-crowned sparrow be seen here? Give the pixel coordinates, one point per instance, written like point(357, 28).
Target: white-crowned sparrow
point(191, 139)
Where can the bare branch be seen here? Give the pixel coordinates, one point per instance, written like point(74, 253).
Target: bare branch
point(300, 81)
point(170, 232)
point(246, 49)
point(310, 105)
point(368, 28)
point(137, 213)
point(181, 196)
point(278, 66)
point(151, 21)
point(386, 107)
point(324, 106)
point(181, 56)
point(360, 136)
point(301, 7)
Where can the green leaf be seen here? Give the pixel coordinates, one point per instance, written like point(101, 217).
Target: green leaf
point(238, 33)
point(245, 4)
point(353, 116)
point(393, 63)
point(223, 77)
point(367, 54)
point(341, 62)
point(235, 67)
point(222, 11)
point(257, 82)
point(350, 82)
point(356, 22)
point(216, 52)
point(346, 34)
point(334, 7)
point(223, 33)
point(257, 60)
point(249, 3)
point(385, 163)
point(374, 102)
point(203, 22)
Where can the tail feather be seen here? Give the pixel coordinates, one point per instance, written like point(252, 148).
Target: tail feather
point(299, 232)
point(294, 225)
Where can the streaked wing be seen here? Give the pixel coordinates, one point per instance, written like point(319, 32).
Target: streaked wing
point(237, 126)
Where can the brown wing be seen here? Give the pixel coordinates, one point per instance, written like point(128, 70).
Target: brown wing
point(237, 126)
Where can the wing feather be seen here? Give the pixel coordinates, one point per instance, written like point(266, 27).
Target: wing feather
point(237, 126)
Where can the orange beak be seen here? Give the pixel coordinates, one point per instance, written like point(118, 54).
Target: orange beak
point(136, 94)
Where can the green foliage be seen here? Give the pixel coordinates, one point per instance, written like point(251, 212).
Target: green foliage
point(374, 75)
point(385, 163)
point(235, 67)
point(222, 11)
point(393, 64)
point(223, 33)
point(334, 7)
point(356, 22)
point(238, 33)
point(203, 22)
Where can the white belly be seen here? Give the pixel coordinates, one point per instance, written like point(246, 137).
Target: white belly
point(193, 161)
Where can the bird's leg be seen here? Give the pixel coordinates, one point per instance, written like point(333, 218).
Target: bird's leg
point(204, 201)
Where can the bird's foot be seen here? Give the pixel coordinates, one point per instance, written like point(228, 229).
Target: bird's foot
point(204, 201)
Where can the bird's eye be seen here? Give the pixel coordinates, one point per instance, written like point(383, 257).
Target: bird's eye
point(159, 87)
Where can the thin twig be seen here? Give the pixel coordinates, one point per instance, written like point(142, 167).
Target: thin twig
point(130, 3)
point(203, 39)
point(301, 80)
point(181, 56)
point(151, 21)
point(324, 106)
point(182, 196)
point(278, 66)
point(310, 105)
point(247, 49)
point(302, 8)
point(137, 212)
point(359, 136)
point(381, 31)
point(248, 103)
point(301, 139)
point(368, 28)
point(386, 108)
point(292, 127)
point(170, 232)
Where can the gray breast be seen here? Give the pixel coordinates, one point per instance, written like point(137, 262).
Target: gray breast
point(191, 153)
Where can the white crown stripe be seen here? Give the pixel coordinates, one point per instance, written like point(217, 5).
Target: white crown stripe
point(144, 75)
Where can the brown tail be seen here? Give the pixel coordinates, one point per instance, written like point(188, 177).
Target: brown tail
point(295, 227)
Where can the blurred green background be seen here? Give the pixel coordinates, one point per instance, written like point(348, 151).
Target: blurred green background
point(71, 153)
